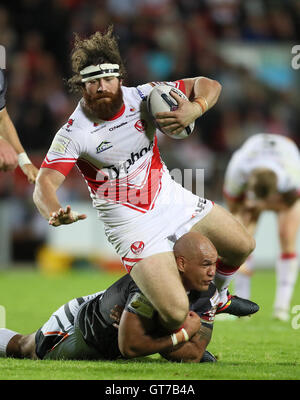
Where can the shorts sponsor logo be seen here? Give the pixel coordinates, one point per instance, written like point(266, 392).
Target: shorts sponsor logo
point(200, 206)
point(137, 247)
point(140, 125)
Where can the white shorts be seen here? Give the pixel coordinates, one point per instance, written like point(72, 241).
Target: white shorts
point(176, 211)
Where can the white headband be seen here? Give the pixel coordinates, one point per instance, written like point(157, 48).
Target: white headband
point(99, 71)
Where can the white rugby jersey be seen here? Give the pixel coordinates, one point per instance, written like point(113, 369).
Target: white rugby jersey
point(275, 152)
point(118, 158)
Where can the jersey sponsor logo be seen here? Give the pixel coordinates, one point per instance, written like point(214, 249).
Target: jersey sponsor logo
point(105, 145)
point(141, 125)
point(114, 170)
point(117, 126)
point(137, 247)
point(59, 144)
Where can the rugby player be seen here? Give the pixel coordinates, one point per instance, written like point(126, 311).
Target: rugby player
point(264, 174)
point(12, 152)
point(120, 321)
point(112, 139)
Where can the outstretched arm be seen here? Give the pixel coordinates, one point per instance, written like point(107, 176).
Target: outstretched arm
point(9, 133)
point(46, 201)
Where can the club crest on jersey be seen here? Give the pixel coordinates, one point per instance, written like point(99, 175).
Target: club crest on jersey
point(105, 145)
point(69, 124)
point(137, 247)
point(140, 125)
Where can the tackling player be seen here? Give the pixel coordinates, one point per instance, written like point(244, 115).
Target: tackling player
point(264, 174)
point(112, 140)
point(85, 328)
point(12, 152)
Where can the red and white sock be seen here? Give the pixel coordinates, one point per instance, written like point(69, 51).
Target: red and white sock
point(286, 276)
point(223, 277)
point(242, 282)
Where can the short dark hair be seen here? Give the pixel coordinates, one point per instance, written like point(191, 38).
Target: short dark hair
point(98, 48)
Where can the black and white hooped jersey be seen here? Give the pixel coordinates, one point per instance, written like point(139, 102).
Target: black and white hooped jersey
point(96, 324)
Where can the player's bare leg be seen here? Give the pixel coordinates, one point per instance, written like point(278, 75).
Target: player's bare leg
point(13, 344)
point(232, 241)
point(158, 278)
point(287, 263)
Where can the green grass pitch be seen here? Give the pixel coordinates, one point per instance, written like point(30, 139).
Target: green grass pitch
point(256, 348)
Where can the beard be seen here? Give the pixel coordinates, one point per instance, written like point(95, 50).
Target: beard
point(103, 105)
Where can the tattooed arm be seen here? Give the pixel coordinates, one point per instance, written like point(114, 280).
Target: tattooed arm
point(193, 350)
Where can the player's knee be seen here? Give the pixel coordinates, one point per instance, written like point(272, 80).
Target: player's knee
point(244, 248)
point(174, 314)
point(250, 245)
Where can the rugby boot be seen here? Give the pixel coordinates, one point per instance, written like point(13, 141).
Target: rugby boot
point(208, 357)
point(237, 306)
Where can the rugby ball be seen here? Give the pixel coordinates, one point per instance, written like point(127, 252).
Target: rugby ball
point(160, 100)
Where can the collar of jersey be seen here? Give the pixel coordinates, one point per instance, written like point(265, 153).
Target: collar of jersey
point(119, 113)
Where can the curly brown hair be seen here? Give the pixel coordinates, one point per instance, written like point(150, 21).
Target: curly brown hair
point(96, 49)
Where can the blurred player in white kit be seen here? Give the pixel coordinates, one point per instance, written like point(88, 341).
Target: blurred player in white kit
point(264, 174)
point(112, 139)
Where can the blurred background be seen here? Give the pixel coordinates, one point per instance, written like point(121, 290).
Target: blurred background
point(245, 45)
